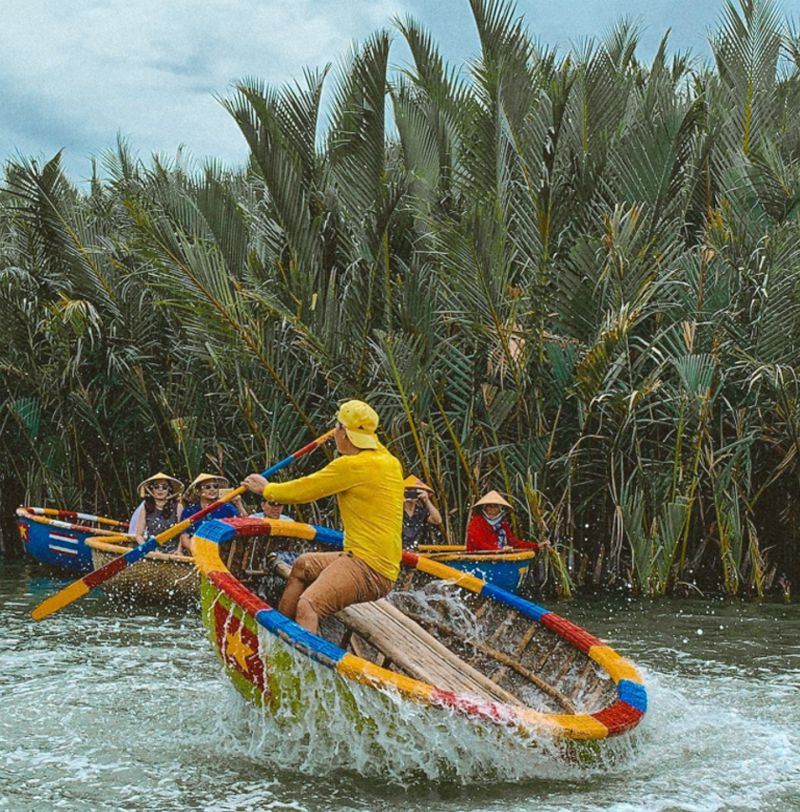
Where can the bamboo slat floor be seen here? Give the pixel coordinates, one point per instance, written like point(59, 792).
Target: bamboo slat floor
point(404, 643)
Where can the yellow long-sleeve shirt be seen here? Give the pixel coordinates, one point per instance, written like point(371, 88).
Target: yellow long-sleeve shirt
point(369, 489)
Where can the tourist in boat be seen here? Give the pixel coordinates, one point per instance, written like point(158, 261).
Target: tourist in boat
point(368, 483)
point(419, 512)
point(271, 510)
point(488, 529)
point(203, 490)
point(159, 510)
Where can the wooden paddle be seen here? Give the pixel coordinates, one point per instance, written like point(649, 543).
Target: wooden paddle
point(77, 589)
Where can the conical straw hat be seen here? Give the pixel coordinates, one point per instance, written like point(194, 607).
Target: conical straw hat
point(492, 498)
point(201, 478)
point(415, 482)
point(142, 487)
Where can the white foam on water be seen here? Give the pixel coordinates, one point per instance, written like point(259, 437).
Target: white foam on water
point(713, 739)
point(380, 734)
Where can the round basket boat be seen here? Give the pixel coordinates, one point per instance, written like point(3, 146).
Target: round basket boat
point(443, 638)
point(80, 542)
point(505, 568)
point(157, 578)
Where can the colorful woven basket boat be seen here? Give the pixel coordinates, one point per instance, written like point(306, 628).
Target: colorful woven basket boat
point(80, 542)
point(446, 639)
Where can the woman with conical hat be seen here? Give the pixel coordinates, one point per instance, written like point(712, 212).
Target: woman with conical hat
point(202, 491)
point(159, 510)
point(419, 512)
point(488, 529)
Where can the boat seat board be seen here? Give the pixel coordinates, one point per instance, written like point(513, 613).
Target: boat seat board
point(405, 643)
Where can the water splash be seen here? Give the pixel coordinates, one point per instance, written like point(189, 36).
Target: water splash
point(378, 733)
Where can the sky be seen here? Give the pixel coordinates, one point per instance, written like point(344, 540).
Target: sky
point(75, 75)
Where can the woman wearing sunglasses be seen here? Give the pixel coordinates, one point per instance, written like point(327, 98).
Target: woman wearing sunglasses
point(159, 510)
point(205, 489)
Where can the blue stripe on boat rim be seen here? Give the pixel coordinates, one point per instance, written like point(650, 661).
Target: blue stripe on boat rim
point(632, 693)
point(216, 531)
point(321, 650)
point(526, 608)
point(333, 538)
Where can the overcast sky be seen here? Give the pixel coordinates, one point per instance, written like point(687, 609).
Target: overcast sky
point(73, 75)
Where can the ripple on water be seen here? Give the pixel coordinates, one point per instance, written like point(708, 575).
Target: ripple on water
point(103, 712)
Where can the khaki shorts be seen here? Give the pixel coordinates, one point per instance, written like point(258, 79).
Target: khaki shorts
point(338, 580)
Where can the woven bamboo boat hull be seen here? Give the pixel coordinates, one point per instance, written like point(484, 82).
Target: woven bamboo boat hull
point(157, 578)
point(444, 639)
point(57, 538)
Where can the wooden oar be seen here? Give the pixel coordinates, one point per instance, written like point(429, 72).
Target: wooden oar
point(77, 589)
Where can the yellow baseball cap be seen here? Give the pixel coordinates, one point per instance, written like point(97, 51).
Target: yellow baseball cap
point(360, 421)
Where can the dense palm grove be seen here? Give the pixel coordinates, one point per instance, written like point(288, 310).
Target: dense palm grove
point(574, 278)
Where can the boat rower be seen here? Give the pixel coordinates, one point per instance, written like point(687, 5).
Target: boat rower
point(368, 484)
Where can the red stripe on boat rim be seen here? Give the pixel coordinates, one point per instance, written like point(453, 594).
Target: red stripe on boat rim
point(618, 717)
point(81, 528)
point(238, 592)
point(471, 706)
point(250, 527)
point(97, 577)
point(579, 637)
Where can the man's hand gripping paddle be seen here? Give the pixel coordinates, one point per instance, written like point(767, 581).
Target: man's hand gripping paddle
point(77, 589)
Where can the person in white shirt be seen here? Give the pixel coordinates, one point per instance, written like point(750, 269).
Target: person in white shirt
point(271, 510)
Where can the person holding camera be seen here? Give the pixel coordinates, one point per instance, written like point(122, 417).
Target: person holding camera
point(419, 512)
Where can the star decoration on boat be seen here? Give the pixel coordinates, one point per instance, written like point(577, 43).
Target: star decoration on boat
point(238, 647)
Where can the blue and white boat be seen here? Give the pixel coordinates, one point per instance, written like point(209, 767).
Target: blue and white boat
point(57, 538)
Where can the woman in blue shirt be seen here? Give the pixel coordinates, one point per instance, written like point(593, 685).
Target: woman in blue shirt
point(204, 490)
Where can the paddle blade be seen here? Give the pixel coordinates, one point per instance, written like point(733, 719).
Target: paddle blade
point(79, 588)
point(61, 599)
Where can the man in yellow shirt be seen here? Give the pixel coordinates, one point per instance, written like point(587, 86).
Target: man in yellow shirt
point(368, 483)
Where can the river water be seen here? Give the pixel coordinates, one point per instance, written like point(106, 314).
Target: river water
point(109, 708)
